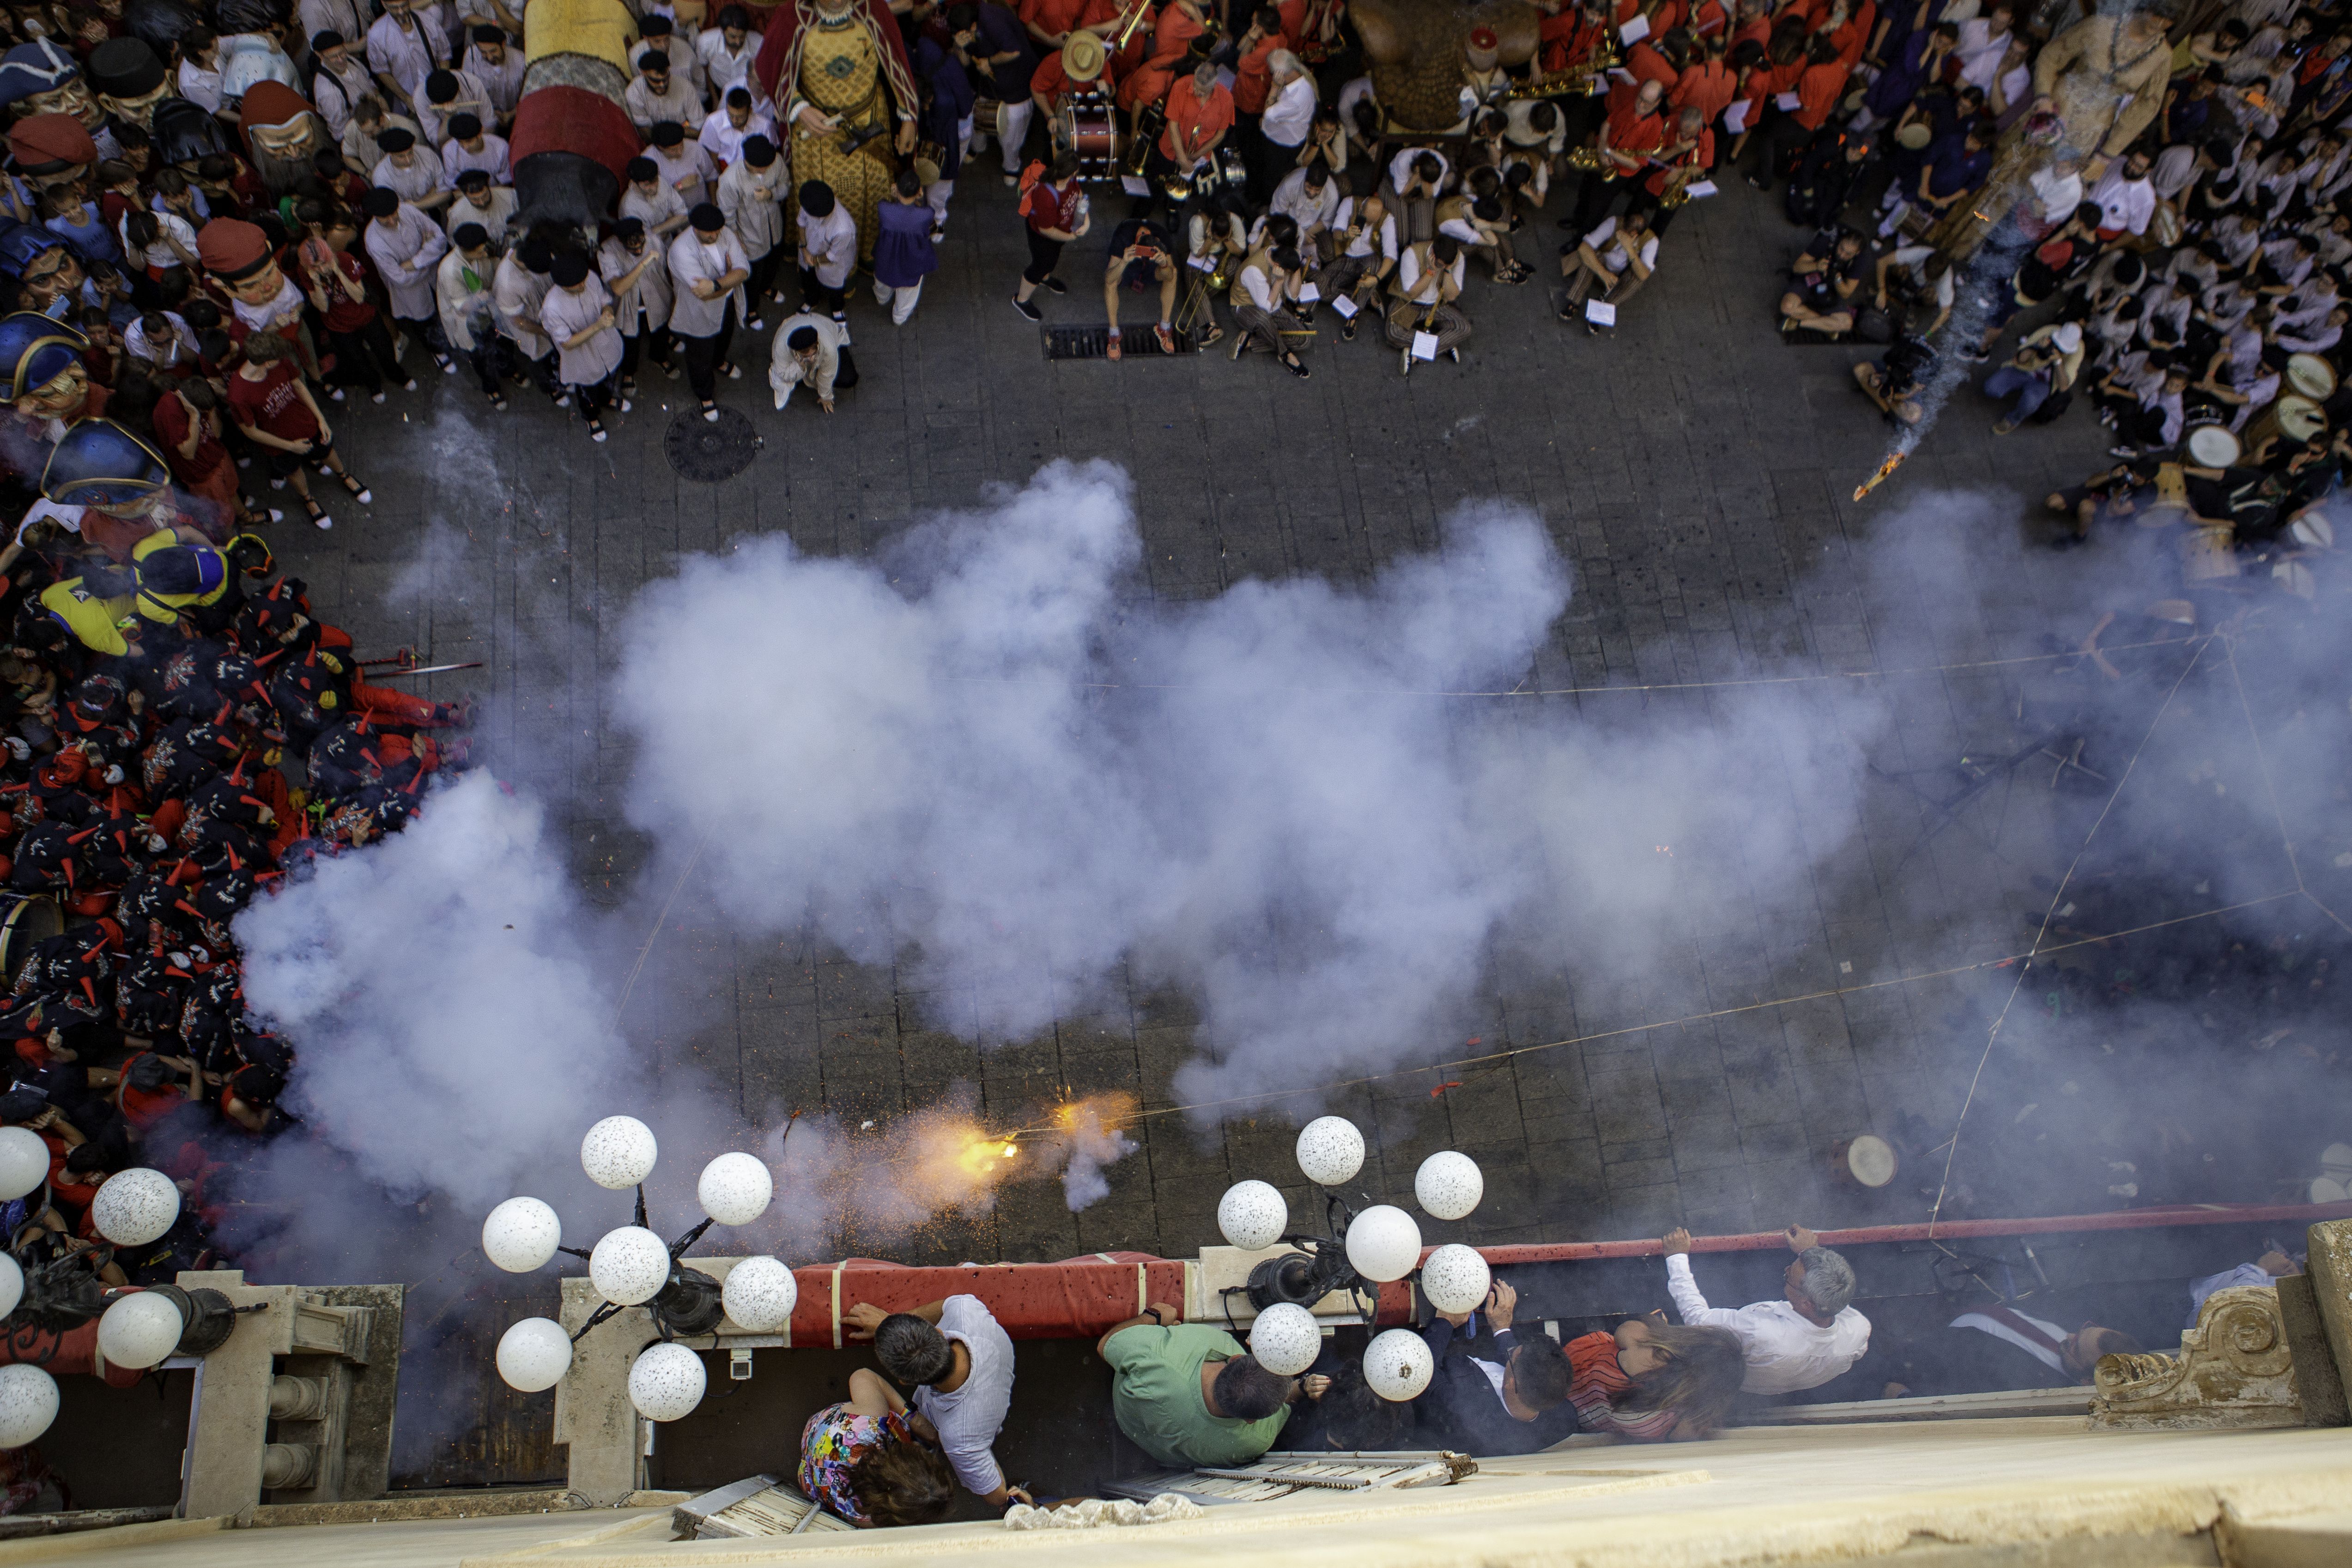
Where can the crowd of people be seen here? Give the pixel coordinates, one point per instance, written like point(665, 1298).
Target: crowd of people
point(925, 1420)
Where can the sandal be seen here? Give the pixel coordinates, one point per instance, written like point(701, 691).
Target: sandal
point(597, 431)
point(710, 411)
point(1294, 365)
point(1112, 353)
point(1167, 340)
point(359, 491)
point(317, 513)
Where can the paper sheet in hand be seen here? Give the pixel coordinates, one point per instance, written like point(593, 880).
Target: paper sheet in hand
point(1700, 188)
point(1133, 185)
point(1735, 117)
point(1424, 345)
point(1202, 262)
point(1600, 313)
point(1345, 306)
point(1634, 31)
point(1786, 102)
point(1308, 294)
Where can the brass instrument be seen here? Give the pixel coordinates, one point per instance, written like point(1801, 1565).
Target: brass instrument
point(1149, 122)
point(1142, 9)
point(1586, 158)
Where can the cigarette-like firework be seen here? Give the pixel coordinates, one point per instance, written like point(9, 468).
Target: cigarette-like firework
point(1875, 480)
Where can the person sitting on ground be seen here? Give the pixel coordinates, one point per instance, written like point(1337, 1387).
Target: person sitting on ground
point(1801, 1341)
point(862, 1461)
point(1823, 283)
point(807, 353)
point(1512, 1401)
point(1655, 1382)
point(1618, 255)
point(1188, 1393)
point(1994, 1348)
point(1141, 257)
point(958, 1360)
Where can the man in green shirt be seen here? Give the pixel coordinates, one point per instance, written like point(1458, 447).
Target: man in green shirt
point(1189, 1395)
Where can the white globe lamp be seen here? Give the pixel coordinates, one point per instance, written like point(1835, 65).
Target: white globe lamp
point(12, 1284)
point(135, 1206)
point(629, 1265)
point(1448, 1186)
point(1383, 1243)
point(618, 1152)
point(24, 1162)
point(1286, 1339)
point(1330, 1150)
point(1456, 1279)
point(139, 1330)
point(735, 1189)
point(535, 1355)
point(760, 1294)
point(1251, 1215)
point(1398, 1365)
point(521, 1234)
point(666, 1383)
point(28, 1403)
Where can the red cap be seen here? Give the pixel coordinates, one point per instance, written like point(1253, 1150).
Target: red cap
point(231, 249)
point(46, 141)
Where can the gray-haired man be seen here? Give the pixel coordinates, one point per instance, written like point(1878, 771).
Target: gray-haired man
point(1799, 1342)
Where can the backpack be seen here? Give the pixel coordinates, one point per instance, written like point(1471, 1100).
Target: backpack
point(1030, 179)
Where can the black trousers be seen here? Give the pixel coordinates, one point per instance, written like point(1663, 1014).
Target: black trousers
point(538, 372)
point(364, 359)
point(815, 295)
point(633, 343)
point(763, 277)
point(704, 355)
point(1044, 255)
point(488, 359)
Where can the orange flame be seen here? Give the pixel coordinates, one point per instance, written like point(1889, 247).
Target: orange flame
point(1875, 480)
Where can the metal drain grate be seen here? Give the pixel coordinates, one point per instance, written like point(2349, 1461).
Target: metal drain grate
point(711, 450)
point(1135, 343)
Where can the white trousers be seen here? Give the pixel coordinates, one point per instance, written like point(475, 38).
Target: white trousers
point(902, 301)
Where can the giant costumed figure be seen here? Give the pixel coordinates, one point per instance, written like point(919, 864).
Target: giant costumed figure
point(840, 69)
point(572, 137)
point(1418, 52)
point(282, 133)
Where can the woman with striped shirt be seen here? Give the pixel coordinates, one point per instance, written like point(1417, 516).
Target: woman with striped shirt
point(1655, 1382)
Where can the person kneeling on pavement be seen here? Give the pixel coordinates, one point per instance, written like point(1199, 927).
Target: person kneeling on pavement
point(810, 351)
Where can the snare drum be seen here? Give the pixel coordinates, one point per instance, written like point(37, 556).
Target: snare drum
point(2212, 446)
point(1087, 127)
point(2309, 376)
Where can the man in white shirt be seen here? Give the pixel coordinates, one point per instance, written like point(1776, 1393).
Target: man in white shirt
point(413, 170)
point(749, 194)
point(1364, 233)
point(828, 250)
point(735, 120)
point(727, 51)
point(2125, 198)
point(406, 248)
point(684, 166)
point(402, 52)
point(1801, 1341)
point(1429, 278)
point(808, 353)
point(960, 1360)
point(1290, 115)
point(652, 199)
point(707, 269)
point(657, 94)
point(498, 66)
point(1310, 198)
point(1618, 256)
point(480, 202)
point(471, 147)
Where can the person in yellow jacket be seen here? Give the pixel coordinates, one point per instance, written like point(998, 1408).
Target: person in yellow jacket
point(90, 607)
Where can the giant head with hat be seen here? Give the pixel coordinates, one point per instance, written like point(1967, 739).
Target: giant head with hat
point(40, 77)
point(282, 133)
point(237, 253)
point(129, 80)
point(50, 149)
point(42, 262)
point(1417, 49)
point(97, 463)
point(41, 367)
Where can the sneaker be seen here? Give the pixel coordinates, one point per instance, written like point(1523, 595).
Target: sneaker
point(624, 406)
point(379, 397)
point(1167, 340)
point(408, 385)
point(712, 414)
point(1058, 286)
point(448, 366)
point(598, 434)
point(336, 395)
point(1028, 310)
point(564, 401)
point(734, 373)
point(1404, 364)
point(755, 325)
point(1012, 181)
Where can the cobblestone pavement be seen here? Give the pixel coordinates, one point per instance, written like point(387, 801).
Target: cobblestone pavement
point(1694, 469)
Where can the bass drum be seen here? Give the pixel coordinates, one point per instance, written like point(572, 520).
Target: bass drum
point(2309, 376)
point(1087, 125)
point(30, 920)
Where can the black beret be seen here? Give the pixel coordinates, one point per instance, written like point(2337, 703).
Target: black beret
point(394, 138)
point(381, 202)
point(470, 236)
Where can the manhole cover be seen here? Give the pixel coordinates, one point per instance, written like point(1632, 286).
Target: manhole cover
point(711, 450)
